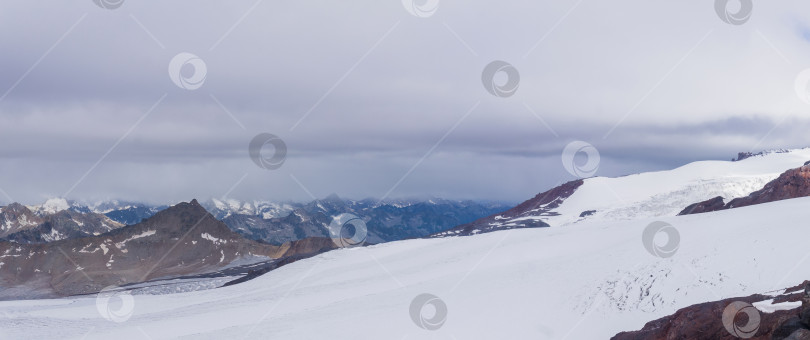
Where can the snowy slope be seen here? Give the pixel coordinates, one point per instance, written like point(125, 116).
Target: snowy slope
point(666, 193)
point(585, 281)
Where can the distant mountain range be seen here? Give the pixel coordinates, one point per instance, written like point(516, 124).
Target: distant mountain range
point(50, 222)
point(62, 247)
point(269, 222)
point(385, 222)
point(181, 240)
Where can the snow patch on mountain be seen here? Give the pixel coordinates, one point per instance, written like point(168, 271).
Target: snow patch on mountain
point(51, 206)
point(213, 239)
point(123, 243)
point(768, 306)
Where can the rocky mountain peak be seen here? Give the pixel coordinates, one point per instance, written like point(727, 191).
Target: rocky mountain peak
point(17, 208)
point(179, 218)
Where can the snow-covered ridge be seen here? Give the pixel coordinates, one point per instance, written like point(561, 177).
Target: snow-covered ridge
point(666, 193)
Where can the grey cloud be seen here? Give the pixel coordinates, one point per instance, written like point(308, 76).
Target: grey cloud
point(389, 103)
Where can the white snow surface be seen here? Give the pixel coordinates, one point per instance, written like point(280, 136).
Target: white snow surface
point(587, 281)
point(768, 306)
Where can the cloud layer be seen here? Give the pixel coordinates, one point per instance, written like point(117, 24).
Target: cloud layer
point(374, 101)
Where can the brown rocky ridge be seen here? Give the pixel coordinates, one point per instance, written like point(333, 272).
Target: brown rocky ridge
point(541, 205)
point(793, 183)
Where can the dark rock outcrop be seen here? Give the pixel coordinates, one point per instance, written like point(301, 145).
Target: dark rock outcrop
point(704, 321)
point(713, 204)
point(743, 155)
point(746, 155)
point(587, 213)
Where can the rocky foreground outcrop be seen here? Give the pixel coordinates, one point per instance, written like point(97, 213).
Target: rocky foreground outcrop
point(705, 320)
point(793, 183)
point(181, 240)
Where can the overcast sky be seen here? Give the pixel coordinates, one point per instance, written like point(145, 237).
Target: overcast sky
point(374, 100)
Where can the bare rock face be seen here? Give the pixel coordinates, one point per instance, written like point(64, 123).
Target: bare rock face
point(541, 205)
point(799, 334)
point(793, 183)
point(704, 321)
point(713, 204)
point(181, 240)
point(307, 246)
